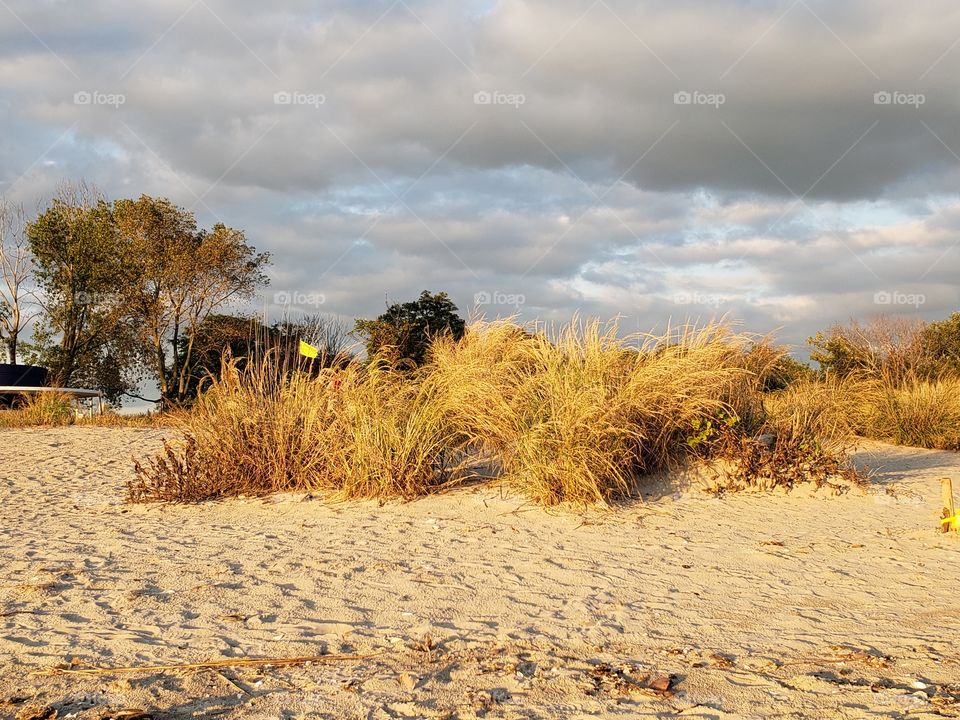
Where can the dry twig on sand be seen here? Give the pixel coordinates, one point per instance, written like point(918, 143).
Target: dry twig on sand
point(229, 662)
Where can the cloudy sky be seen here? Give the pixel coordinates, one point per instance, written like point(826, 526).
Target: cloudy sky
point(792, 163)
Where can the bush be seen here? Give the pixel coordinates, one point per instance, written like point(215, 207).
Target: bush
point(776, 460)
point(887, 347)
point(801, 435)
point(941, 342)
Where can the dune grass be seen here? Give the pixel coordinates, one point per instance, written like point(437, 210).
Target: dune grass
point(919, 412)
point(827, 410)
point(51, 409)
point(576, 414)
point(354, 432)
point(911, 411)
point(39, 409)
point(900, 380)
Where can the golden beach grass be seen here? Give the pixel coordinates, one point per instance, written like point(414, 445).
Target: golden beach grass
point(578, 414)
point(368, 431)
point(44, 408)
point(573, 415)
point(918, 412)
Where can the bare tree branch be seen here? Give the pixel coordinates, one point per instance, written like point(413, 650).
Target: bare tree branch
point(16, 270)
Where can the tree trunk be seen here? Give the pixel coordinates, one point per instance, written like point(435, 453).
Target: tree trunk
point(185, 368)
point(161, 369)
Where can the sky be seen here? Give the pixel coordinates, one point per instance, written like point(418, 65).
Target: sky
point(788, 164)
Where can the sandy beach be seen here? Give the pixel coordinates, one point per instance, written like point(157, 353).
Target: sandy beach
point(472, 604)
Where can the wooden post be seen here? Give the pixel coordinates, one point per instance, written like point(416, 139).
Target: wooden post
point(946, 498)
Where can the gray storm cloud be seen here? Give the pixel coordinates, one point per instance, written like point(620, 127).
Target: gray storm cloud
point(780, 161)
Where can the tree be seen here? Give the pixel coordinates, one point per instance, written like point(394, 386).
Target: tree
point(83, 334)
point(886, 346)
point(941, 341)
point(16, 268)
point(181, 276)
point(404, 332)
point(218, 336)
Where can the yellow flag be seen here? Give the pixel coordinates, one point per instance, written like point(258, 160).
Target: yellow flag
point(308, 350)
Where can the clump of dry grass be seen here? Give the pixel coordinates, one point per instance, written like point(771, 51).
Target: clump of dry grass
point(901, 383)
point(53, 409)
point(578, 414)
point(356, 432)
point(45, 408)
point(164, 419)
point(918, 412)
point(398, 438)
point(826, 411)
point(905, 411)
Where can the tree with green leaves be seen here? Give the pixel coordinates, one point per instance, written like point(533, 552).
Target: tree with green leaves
point(941, 340)
point(404, 332)
point(887, 346)
point(83, 334)
point(181, 276)
point(127, 286)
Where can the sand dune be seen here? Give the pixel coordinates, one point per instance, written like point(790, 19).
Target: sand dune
point(471, 604)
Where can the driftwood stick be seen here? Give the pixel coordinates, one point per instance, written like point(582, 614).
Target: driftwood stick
point(229, 662)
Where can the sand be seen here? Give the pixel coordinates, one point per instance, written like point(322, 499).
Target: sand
point(473, 604)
